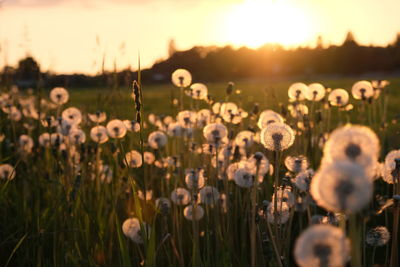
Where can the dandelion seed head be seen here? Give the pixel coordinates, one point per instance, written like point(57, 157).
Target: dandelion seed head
point(157, 140)
point(131, 229)
point(198, 91)
point(181, 78)
point(72, 115)
point(338, 97)
point(180, 196)
point(244, 139)
point(315, 92)
point(44, 139)
point(355, 143)
point(97, 117)
point(99, 134)
point(391, 170)
point(59, 95)
point(322, 245)
point(116, 129)
point(175, 129)
point(298, 111)
point(297, 91)
point(297, 164)
point(7, 172)
point(277, 137)
point(133, 159)
point(194, 178)
point(193, 212)
point(378, 236)
point(77, 136)
point(215, 133)
point(203, 117)
point(243, 178)
point(257, 160)
point(186, 118)
point(149, 157)
point(25, 143)
point(209, 195)
point(341, 187)
point(362, 90)
point(268, 116)
point(280, 215)
point(303, 179)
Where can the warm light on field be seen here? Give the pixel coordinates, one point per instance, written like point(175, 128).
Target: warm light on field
point(256, 22)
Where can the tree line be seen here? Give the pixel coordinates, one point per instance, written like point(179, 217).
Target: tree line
point(227, 63)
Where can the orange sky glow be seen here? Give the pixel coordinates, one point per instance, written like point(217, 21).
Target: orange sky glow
point(69, 36)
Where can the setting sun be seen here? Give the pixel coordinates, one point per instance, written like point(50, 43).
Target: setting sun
point(256, 22)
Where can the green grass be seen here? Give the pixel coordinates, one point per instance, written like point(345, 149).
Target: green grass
point(53, 216)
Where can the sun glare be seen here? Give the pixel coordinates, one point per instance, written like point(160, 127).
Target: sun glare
point(256, 22)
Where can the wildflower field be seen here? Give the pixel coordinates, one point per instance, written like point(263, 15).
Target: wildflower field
point(247, 173)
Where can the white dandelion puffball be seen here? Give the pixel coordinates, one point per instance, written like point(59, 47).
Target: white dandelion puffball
point(231, 169)
point(97, 117)
point(132, 125)
point(194, 179)
point(243, 178)
point(116, 129)
point(44, 139)
point(277, 137)
point(198, 91)
point(181, 78)
point(193, 212)
point(133, 159)
point(25, 143)
point(298, 111)
point(157, 140)
point(315, 92)
point(180, 196)
point(338, 97)
point(77, 136)
point(7, 172)
point(297, 91)
point(186, 118)
point(59, 95)
point(209, 195)
point(284, 195)
point(341, 187)
point(257, 160)
point(215, 132)
point(296, 164)
point(355, 143)
point(303, 179)
point(281, 215)
point(72, 115)
point(391, 169)
point(268, 116)
point(362, 90)
point(175, 129)
point(131, 229)
point(244, 139)
point(99, 134)
point(378, 236)
point(322, 245)
point(203, 117)
point(149, 157)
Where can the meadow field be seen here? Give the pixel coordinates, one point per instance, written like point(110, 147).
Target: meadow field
point(236, 173)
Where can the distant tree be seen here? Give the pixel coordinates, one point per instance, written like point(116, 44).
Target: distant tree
point(28, 69)
point(171, 47)
point(350, 40)
point(396, 42)
point(320, 42)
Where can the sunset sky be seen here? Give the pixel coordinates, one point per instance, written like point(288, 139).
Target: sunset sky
point(73, 35)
